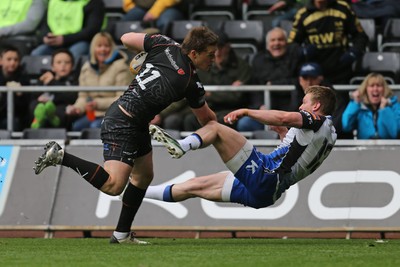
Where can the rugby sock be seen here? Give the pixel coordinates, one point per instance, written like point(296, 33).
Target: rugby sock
point(191, 142)
point(167, 194)
point(91, 172)
point(131, 202)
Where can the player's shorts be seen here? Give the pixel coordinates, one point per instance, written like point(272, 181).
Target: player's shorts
point(257, 180)
point(124, 138)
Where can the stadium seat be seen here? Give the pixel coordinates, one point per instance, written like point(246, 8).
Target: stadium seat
point(45, 133)
point(390, 39)
point(24, 43)
point(113, 5)
point(245, 37)
point(121, 27)
point(90, 133)
point(286, 25)
point(370, 29)
point(178, 29)
point(264, 134)
point(212, 11)
point(5, 134)
point(385, 63)
point(34, 66)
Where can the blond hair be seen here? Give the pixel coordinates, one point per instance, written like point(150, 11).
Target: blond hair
point(387, 92)
point(94, 42)
point(325, 96)
point(198, 39)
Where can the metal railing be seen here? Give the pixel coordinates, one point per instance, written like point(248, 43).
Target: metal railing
point(248, 88)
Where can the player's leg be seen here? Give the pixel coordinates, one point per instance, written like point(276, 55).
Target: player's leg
point(218, 187)
point(210, 187)
point(104, 179)
point(141, 177)
point(226, 140)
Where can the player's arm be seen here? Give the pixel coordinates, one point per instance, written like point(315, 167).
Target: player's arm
point(133, 41)
point(204, 114)
point(268, 117)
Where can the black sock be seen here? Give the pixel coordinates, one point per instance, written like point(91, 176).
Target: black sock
point(91, 172)
point(131, 202)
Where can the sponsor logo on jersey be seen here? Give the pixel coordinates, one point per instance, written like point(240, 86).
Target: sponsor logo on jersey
point(171, 60)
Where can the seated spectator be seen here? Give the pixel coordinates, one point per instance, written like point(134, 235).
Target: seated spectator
point(107, 67)
point(153, 13)
point(11, 75)
point(49, 108)
point(72, 25)
point(373, 111)
point(228, 69)
point(24, 24)
point(277, 65)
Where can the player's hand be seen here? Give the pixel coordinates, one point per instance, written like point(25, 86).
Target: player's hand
point(280, 130)
point(235, 115)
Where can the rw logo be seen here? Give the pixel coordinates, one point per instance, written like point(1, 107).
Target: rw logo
point(252, 167)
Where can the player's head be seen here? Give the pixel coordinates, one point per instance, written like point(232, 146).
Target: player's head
point(200, 45)
point(319, 99)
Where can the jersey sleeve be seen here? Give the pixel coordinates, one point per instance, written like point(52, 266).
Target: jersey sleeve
point(311, 121)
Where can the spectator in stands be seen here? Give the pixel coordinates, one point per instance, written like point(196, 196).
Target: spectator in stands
point(21, 19)
point(153, 13)
point(228, 69)
point(325, 28)
point(373, 111)
point(72, 25)
point(289, 8)
point(107, 67)
point(11, 75)
point(311, 74)
point(277, 65)
point(49, 108)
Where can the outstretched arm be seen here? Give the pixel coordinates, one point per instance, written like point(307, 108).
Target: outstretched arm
point(268, 117)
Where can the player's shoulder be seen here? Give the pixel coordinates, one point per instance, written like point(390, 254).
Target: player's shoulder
point(159, 39)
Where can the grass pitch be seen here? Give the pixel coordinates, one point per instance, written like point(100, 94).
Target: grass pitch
point(199, 252)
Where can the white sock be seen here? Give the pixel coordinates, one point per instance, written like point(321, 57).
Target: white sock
point(191, 142)
point(120, 235)
point(155, 192)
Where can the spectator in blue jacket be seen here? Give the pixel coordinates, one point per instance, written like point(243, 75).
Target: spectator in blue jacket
point(373, 111)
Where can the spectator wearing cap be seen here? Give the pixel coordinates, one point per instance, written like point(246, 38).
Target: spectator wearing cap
point(311, 74)
point(228, 69)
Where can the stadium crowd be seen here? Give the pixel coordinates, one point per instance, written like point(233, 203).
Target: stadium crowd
point(326, 43)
